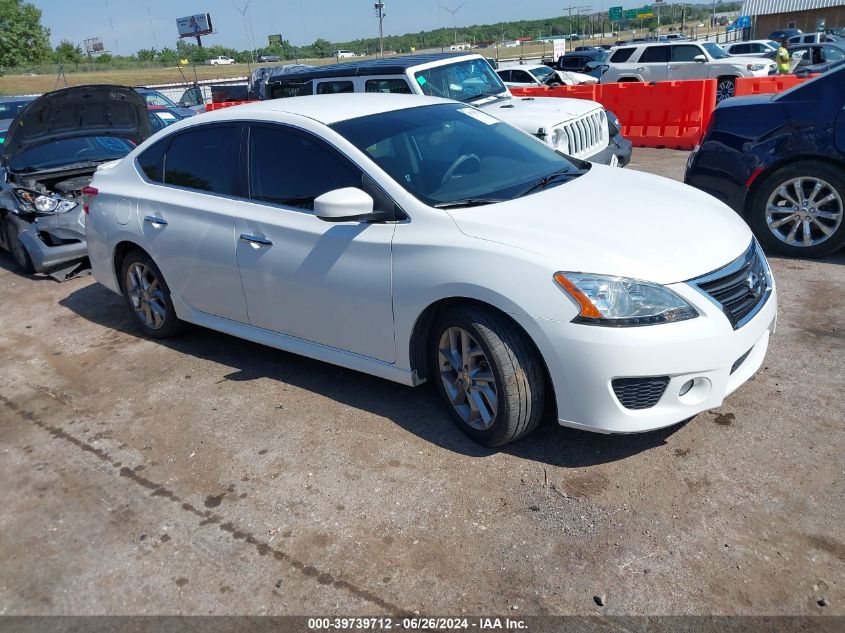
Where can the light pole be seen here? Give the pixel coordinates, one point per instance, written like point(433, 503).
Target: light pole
point(453, 12)
point(380, 13)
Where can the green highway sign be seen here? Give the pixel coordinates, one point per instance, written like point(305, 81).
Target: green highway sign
point(631, 14)
point(645, 12)
point(614, 14)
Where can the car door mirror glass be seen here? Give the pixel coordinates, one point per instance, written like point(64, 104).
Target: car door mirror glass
point(343, 205)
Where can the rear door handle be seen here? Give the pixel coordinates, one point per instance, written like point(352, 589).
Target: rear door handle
point(155, 221)
point(256, 240)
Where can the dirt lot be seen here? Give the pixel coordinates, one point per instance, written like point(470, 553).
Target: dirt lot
point(208, 475)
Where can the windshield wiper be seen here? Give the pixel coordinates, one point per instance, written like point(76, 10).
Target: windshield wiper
point(547, 180)
point(467, 202)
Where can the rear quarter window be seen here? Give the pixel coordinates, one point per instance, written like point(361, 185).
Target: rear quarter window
point(300, 89)
point(395, 86)
point(622, 55)
point(655, 54)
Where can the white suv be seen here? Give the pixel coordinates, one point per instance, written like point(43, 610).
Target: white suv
point(687, 60)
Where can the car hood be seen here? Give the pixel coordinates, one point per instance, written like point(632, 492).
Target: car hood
point(78, 112)
point(616, 222)
point(743, 60)
point(532, 113)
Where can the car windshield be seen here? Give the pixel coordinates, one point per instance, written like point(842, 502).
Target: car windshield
point(461, 81)
point(71, 150)
point(715, 51)
point(11, 109)
point(445, 154)
point(773, 44)
point(542, 72)
point(158, 99)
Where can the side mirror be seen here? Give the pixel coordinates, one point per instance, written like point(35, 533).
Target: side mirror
point(700, 59)
point(349, 204)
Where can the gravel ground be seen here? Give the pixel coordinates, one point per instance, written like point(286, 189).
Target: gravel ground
point(208, 475)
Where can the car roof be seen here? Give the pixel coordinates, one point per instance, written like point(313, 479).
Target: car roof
point(383, 66)
point(326, 109)
point(17, 98)
point(522, 67)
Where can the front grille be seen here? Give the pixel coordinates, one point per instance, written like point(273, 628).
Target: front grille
point(740, 289)
point(739, 361)
point(587, 134)
point(639, 393)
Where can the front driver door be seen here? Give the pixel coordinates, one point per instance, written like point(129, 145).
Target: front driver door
point(328, 283)
point(683, 64)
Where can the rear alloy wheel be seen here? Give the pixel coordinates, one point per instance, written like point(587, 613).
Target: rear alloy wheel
point(489, 374)
point(148, 296)
point(725, 88)
point(799, 210)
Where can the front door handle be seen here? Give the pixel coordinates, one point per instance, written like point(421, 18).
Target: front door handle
point(256, 240)
point(640, 69)
point(155, 221)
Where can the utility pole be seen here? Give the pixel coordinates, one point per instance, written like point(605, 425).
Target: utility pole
point(246, 32)
point(577, 8)
point(453, 12)
point(379, 5)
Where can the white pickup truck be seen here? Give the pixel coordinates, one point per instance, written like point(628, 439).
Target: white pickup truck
point(220, 60)
point(577, 127)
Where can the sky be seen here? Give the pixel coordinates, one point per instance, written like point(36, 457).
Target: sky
point(128, 25)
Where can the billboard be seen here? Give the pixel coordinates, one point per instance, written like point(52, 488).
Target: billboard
point(194, 25)
point(93, 45)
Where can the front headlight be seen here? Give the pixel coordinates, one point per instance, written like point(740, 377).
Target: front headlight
point(755, 66)
point(619, 302)
point(43, 204)
point(560, 141)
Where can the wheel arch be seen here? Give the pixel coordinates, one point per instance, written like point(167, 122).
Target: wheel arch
point(121, 250)
point(422, 332)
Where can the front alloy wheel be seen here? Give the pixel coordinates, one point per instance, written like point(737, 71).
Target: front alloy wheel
point(467, 379)
point(490, 374)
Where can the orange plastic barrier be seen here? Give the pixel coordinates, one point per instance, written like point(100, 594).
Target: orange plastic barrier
point(670, 114)
point(217, 106)
point(762, 85)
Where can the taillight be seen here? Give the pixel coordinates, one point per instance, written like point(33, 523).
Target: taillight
point(88, 194)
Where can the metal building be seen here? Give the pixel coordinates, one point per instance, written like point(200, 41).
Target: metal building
point(808, 15)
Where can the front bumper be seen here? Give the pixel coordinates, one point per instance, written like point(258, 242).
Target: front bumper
point(65, 226)
point(583, 360)
point(619, 147)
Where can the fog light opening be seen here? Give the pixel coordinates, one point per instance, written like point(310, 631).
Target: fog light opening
point(695, 390)
point(686, 387)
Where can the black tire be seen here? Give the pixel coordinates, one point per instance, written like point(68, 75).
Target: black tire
point(13, 225)
point(514, 363)
point(169, 324)
point(810, 169)
point(725, 88)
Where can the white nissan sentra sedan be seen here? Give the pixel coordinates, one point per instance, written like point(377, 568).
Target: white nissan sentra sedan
point(417, 239)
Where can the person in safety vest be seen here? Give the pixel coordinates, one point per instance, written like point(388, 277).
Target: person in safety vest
point(782, 57)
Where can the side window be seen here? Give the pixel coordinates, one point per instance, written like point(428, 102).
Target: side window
point(205, 159)
point(742, 49)
point(281, 91)
point(292, 168)
point(622, 55)
point(334, 87)
point(192, 96)
point(395, 86)
point(504, 75)
point(655, 55)
point(685, 53)
point(520, 76)
point(150, 160)
point(833, 54)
